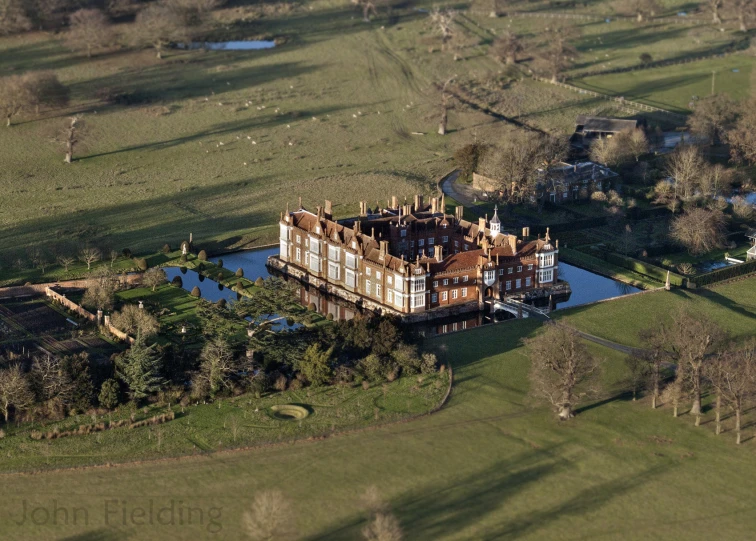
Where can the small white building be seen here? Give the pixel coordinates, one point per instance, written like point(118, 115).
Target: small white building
point(751, 254)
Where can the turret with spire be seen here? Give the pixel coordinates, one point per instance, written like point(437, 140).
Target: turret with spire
point(495, 223)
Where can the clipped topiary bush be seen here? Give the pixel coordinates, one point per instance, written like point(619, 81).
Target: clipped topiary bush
point(219, 277)
point(182, 259)
point(126, 253)
point(166, 248)
point(177, 281)
point(196, 292)
point(259, 282)
point(141, 264)
point(329, 317)
point(221, 303)
point(239, 273)
point(220, 263)
point(312, 307)
point(202, 256)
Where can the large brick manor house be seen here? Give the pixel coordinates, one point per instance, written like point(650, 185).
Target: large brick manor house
point(413, 258)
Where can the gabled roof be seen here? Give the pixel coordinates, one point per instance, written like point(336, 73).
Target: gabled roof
point(603, 124)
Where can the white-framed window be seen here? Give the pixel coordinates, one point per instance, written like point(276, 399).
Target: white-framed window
point(446, 281)
point(349, 278)
point(455, 293)
point(390, 279)
point(333, 270)
point(434, 297)
point(527, 281)
point(466, 247)
point(518, 283)
point(530, 267)
point(378, 289)
point(509, 285)
point(456, 244)
point(307, 258)
point(417, 300)
point(418, 285)
point(431, 241)
point(377, 275)
point(421, 242)
point(389, 296)
point(314, 263)
point(351, 261)
point(464, 278)
point(456, 279)
point(435, 283)
point(445, 239)
point(368, 271)
point(367, 286)
point(519, 268)
point(333, 253)
point(501, 272)
point(509, 270)
point(444, 295)
point(299, 254)
point(464, 292)
point(299, 239)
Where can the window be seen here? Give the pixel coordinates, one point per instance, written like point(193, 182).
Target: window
point(417, 301)
point(518, 284)
point(378, 274)
point(464, 278)
point(418, 285)
point(315, 263)
point(403, 233)
point(527, 281)
point(389, 296)
point(509, 285)
point(333, 252)
point(299, 254)
point(464, 292)
point(431, 240)
point(444, 295)
point(456, 244)
point(454, 293)
point(421, 242)
point(435, 283)
point(445, 239)
point(378, 289)
point(509, 271)
point(564, 195)
point(466, 247)
point(434, 298)
point(349, 278)
point(351, 261)
point(367, 286)
point(519, 268)
point(368, 270)
point(446, 281)
point(501, 272)
point(299, 239)
point(390, 279)
point(333, 271)
point(412, 244)
point(530, 267)
point(456, 279)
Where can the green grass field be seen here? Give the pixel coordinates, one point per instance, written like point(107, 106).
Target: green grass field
point(491, 465)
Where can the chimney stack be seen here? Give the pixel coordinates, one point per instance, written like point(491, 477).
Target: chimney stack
point(394, 202)
point(363, 208)
point(482, 224)
point(438, 253)
point(459, 212)
point(384, 248)
point(525, 233)
point(328, 209)
point(418, 203)
point(512, 243)
point(434, 205)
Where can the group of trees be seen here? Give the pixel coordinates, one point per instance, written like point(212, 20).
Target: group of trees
point(718, 119)
point(690, 355)
point(623, 148)
point(742, 11)
point(31, 92)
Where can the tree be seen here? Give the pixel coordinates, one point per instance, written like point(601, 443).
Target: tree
point(700, 230)
point(154, 278)
point(637, 143)
point(733, 375)
point(557, 52)
point(101, 290)
point(239, 273)
point(196, 292)
point(71, 136)
point(89, 255)
point(684, 166)
point(270, 517)
point(612, 151)
point(642, 9)
point(113, 257)
point(217, 367)
point(158, 25)
point(315, 365)
point(712, 117)
point(45, 90)
point(382, 524)
point(742, 137)
point(646, 58)
point(13, 17)
point(65, 261)
point(656, 339)
point(51, 383)
point(466, 159)
point(15, 393)
point(443, 21)
point(506, 47)
point(14, 96)
point(368, 8)
point(139, 368)
point(446, 104)
point(560, 363)
point(202, 255)
point(135, 321)
point(108, 396)
point(715, 6)
point(82, 389)
point(275, 301)
point(89, 29)
point(745, 12)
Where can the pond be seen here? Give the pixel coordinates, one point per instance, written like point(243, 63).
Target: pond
point(252, 45)
point(590, 287)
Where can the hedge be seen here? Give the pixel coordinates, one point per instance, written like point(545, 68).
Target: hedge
point(652, 271)
point(725, 273)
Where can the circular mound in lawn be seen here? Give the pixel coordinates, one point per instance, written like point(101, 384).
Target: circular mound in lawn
point(289, 412)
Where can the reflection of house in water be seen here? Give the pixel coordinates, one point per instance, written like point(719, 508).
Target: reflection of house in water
point(416, 261)
point(327, 304)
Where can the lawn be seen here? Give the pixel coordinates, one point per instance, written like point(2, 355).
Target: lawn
point(491, 465)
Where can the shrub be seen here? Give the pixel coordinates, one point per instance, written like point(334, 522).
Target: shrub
point(126, 253)
point(196, 292)
point(109, 394)
point(220, 263)
point(202, 256)
point(312, 307)
point(221, 302)
point(182, 259)
point(295, 385)
point(201, 267)
point(219, 277)
point(259, 282)
point(374, 368)
point(329, 317)
point(166, 248)
point(726, 273)
point(239, 273)
point(598, 196)
point(646, 58)
point(141, 264)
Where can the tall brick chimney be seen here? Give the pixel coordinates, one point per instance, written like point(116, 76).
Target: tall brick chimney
point(363, 208)
point(394, 202)
point(525, 233)
point(512, 243)
point(438, 253)
point(482, 224)
point(434, 205)
point(328, 210)
point(418, 203)
point(459, 212)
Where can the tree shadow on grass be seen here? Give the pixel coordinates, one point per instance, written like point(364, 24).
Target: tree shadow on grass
point(100, 534)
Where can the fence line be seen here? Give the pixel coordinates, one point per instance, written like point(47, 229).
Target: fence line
point(588, 17)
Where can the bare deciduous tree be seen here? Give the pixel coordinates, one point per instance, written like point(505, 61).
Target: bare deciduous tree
point(71, 136)
point(368, 8)
point(89, 29)
point(560, 363)
point(745, 13)
point(154, 278)
point(712, 117)
point(89, 255)
point(45, 90)
point(733, 376)
point(135, 321)
point(700, 230)
point(66, 261)
point(642, 10)
point(506, 47)
point(51, 383)
point(655, 355)
point(382, 524)
point(557, 52)
point(217, 366)
point(101, 291)
point(14, 96)
point(270, 517)
point(715, 7)
point(443, 21)
point(13, 17)
point(15, 392)
point(742, 138)
point(158, 25)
